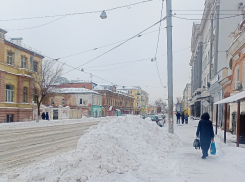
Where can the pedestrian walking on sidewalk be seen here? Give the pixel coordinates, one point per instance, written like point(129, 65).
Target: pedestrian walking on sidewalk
point(43, 116)
point(183, 117)
point(47, 116)
point(206, 132)
point(186, 118)
point(178, 117)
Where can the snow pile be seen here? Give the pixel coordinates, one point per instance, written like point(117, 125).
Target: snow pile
point(121, 149)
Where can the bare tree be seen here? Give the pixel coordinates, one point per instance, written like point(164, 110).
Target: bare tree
point(161, 105)
point(43, 83)
point(179, 100)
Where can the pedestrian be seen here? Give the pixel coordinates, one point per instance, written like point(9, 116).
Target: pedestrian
point(186, 118)
point(47, 116)
point(178, 117)
point(206, 132)
point(183, 117)
point(43, 116)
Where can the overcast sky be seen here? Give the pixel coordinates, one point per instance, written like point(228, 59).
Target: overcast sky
point(78, 33)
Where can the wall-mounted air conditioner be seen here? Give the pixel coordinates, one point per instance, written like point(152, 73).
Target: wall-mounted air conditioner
point(237, 85)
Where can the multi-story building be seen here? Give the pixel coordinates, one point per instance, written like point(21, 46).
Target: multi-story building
point(18, 66)
point(186, 99)
point(88, 101)
point(141, 98)
point(115, 102)
point(235, 82)
point(210, 40)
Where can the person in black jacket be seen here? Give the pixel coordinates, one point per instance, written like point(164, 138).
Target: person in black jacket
point(43, 116)
point(206, 131)
point(178, 117)
point(183, 117)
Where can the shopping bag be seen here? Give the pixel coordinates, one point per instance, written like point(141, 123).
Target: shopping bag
point(213, 148)
point(196, 143)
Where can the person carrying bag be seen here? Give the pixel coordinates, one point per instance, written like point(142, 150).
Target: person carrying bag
point(206, 131)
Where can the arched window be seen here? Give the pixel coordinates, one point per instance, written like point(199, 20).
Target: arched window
point(9, 93)
point(25, 94)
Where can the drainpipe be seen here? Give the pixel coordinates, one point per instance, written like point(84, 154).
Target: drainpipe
point(216, 48)
point(211, 48)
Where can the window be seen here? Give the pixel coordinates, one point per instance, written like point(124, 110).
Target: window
point(34, 99)
point(137, 104)
point(25, 94)
point(23, 62)
point(10, 58)
point(35, 66)
point(52, 101)
point(63, 101)
point(81, 101)
point(83, 86)
point(237, 73)
point(9, 93)
point(9, 118)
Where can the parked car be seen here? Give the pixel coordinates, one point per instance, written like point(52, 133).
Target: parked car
point(163, 117)
point(154, 118)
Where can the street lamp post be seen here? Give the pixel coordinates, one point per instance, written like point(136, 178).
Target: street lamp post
point(170, 65)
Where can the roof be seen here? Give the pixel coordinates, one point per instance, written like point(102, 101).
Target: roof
point(21, 47)
point(233, 98)
point(75, 91)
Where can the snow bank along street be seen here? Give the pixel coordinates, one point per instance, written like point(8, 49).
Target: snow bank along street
point(132, 149)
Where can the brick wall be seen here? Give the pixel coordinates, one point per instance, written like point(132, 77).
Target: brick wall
point(76, 85)
point(19, 114)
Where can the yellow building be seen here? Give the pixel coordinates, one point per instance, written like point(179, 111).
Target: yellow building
point(141, 98)
point(18, 65)
point(186, 99)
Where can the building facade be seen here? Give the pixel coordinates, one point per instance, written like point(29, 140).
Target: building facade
point(18, 66)
point(235, 82)
point(210, 40)
point(88, 101)
point(186, 99)
point(115, 102)
point(141, 98)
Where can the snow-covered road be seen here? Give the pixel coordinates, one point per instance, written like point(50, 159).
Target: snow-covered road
point(36, 141)
point(130, 149)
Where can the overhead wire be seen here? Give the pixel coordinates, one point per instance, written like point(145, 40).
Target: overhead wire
point(117, 45)
point(37, 25)
point(158, 37)
point(207, 18)
point(75, 54)
point(72, 14)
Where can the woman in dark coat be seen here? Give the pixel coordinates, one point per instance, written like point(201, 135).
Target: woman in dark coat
point(206, 131)
point(183, 117)
point(43, 116)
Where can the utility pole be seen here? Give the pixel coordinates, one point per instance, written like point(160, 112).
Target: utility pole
point(170, 65)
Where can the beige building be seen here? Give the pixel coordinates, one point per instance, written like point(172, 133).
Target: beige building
point(186, 99)
point(141, 98)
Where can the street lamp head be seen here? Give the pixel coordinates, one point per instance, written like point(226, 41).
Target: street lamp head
point(103, 15)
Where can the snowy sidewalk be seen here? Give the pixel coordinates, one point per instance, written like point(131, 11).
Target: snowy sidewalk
point(227, 165)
